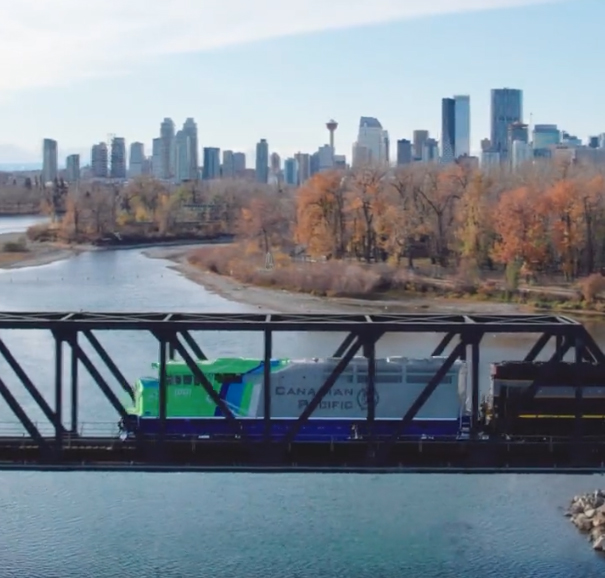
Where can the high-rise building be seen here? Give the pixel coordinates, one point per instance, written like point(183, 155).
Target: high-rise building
point(275, 163)
point(239, 164)
point(118, 158)
point(99, 158)
point(168, 152)
point(314, 163)
point(303, 162)
point(404, 152)
point(420, 137)
point(212, 164)
point(593, 142)
point(448, 130)
point(522, 153)
point(372, 143)
point(430, 153)
point(518, 131)
point(50, 159)
point(387, 147)
point(325, 158)
point(182, 156)
point(362, 156)
point(490, 160)
point(228, 166)
point(291, 171)
point(72, 168)
point(157, 168)
point(462, 125)
point(190, 129)
point(506, 109)
point(340, 162)
point(136, 160)
point(262, 161)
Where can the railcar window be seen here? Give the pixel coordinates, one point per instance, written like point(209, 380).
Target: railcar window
point(187, 379)
point(341, 378)
point(229, 378)
point(383, 378)
point(422, 378)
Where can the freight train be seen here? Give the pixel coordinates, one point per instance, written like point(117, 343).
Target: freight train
point(509, 410)
point(506, 409)
point(239, 382)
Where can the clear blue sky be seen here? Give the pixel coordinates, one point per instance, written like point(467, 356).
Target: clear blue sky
point(286, 88)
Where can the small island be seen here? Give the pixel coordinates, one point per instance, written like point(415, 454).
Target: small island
point(587, 513)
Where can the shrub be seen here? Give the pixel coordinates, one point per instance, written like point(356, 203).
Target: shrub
point(591, 286)
point(18, 246)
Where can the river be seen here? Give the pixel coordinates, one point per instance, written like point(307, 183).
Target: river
point(231, 525)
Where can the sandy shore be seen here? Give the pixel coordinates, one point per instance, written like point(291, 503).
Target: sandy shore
point(288, 302)
point(37, 254)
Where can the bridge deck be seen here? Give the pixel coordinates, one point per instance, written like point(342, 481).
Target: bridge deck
point(446, 456)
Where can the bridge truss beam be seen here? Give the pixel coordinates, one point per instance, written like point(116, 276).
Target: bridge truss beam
point(173, 333)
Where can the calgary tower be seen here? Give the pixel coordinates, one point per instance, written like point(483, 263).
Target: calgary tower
point(332, 126)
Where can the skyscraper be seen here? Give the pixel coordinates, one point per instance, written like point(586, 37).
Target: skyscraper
point(228, 167)
point(506, 108)
point(404, 152)
point(291, 171)
point(168, 149)
point(99, 161)
point(262, 161)
point(72, 168)
point(118, 158)
point(373, 139)
point(544, 136)
point(49, 160)
point(303, 163)
point(239, 164)
point(182, 156)
point(136, 159)
point(212, 164)
point(448, 130)
point(462, 128)
point(190, 129)
point(420, 137)
point(275, 163)
point(157, 169)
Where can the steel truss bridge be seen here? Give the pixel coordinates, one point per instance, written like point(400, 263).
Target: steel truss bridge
point(67, 449)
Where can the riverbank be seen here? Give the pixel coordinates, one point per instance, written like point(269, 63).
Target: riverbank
point(290, 302)
point(17, 252)
point(587, 513)
point(383, 286)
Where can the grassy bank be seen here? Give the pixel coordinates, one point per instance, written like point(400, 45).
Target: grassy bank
point(381, 282)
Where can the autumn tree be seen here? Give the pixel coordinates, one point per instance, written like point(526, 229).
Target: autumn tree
point(266, 221)
point(475, 226)
point(321, 205)
point(521, 229)
point(436, 193)
point(367, 202)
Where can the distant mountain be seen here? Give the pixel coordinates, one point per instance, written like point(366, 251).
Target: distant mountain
point(14, 158)
point(10, 167)
point(14, 155)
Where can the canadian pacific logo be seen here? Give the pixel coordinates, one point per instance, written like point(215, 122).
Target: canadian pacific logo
point(363, 398)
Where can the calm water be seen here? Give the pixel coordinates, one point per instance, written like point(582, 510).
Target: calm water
point(231, 525)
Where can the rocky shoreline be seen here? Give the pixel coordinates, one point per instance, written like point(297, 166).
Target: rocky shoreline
point(587, 513)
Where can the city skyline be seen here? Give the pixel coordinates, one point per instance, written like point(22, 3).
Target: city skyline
point(175, 154)
point(238, 91)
